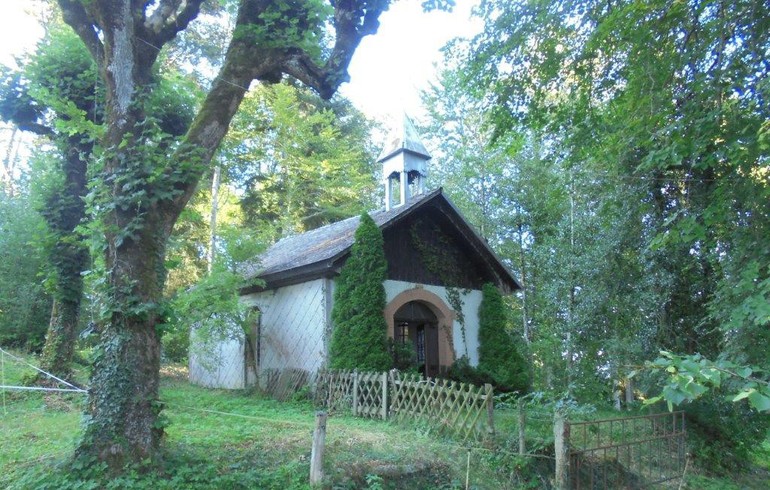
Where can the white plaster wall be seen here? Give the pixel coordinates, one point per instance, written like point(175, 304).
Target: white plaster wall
point(470, 301)
point(217, 363)
point(292, 325)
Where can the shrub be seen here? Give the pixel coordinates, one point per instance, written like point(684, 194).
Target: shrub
point(722, 434)
point(403, 355)
point(359, 336)
point(499, 357)
point(462, 372)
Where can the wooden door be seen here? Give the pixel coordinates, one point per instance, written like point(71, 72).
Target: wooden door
point(431, 350)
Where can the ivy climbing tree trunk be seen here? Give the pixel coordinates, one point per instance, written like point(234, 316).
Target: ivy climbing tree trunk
point(143, 190)
point(64, 211)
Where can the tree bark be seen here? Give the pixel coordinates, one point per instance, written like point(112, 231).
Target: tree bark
point(123, 406)
point(144, 198)
point(65, 210)
point(215, 181)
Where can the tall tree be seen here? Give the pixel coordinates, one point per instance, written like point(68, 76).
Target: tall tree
point(57, 96)
point(668, 101)
point(303, 163)
point(359, 337)
point(656, 113)
point(146, 179)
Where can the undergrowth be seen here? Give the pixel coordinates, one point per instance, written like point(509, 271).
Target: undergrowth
point(243, 440)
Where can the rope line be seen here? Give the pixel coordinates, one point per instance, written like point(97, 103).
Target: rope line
point(18, 359)
point(39, 388)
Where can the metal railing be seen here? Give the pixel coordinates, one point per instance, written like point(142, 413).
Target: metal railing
point(627, 452)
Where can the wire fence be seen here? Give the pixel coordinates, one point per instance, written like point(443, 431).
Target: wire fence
point(634, 451)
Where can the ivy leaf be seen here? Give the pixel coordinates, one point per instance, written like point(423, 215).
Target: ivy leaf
point(740, 396)
point(759, 401)
point(674, 395)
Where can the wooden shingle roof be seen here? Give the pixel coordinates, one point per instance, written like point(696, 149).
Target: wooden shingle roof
point(319, 252)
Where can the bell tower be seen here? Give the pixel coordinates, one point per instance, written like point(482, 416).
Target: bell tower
point(404, 165)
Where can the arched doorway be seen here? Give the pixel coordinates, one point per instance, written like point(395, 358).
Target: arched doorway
point(416, 324)
point(443, 317)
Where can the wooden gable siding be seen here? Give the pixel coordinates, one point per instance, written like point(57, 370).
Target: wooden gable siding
point(425, 248)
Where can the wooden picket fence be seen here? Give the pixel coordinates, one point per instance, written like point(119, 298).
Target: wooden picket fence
point(464, 409)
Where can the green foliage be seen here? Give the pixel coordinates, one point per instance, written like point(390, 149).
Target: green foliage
point(463, 372)
point(359, 333)
point(721, 435)
point(634, 178)
point(690, 377)
point(403, 355)
point(289, 24)
point(499, 356)
point(212, 310)
point(314, 163)
point(58, 89)
point(24, 304)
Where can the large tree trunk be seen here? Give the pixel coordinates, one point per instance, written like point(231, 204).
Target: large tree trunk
point(68, 258)
point(123, 402)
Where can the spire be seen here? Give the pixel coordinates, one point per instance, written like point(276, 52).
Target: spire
point(404, 159)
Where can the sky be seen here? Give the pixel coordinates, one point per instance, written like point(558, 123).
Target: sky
point(387, 72)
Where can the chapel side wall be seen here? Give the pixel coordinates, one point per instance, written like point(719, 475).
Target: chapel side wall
point(217, 363)
point(292, 324)
point(470, 308)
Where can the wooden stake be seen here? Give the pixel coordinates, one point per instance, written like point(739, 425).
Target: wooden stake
point(468, 471)
point(490, 408)
point(384, 396)
point(355, 393)
point(317, 452)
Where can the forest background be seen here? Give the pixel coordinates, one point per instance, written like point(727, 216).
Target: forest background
point(615, 155)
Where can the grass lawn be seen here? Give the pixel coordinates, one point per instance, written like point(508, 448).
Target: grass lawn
point(234, 439)
point(239, 439)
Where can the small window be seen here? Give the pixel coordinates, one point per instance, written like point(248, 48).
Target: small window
point(420, 344)
point(402, 333)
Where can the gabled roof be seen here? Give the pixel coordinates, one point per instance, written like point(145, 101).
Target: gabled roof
point(317, 253)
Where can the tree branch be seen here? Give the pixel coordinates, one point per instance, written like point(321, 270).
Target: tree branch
point(158, 18)
point(36, 128)
point(77, 17)
point(168, 20)
point(353, 20)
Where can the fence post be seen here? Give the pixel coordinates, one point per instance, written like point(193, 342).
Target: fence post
point(317, 451)
point(490, 400)
point(355, 392)
point(384, 378)
point(561, 448)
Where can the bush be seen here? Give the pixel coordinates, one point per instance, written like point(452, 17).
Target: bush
point(462, 372)
point(359, 338)
point(403, 355)
point(175, 345)
point(722, 434)
point(499, 357)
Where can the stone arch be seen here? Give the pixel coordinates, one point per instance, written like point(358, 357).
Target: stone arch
point(444, 315)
